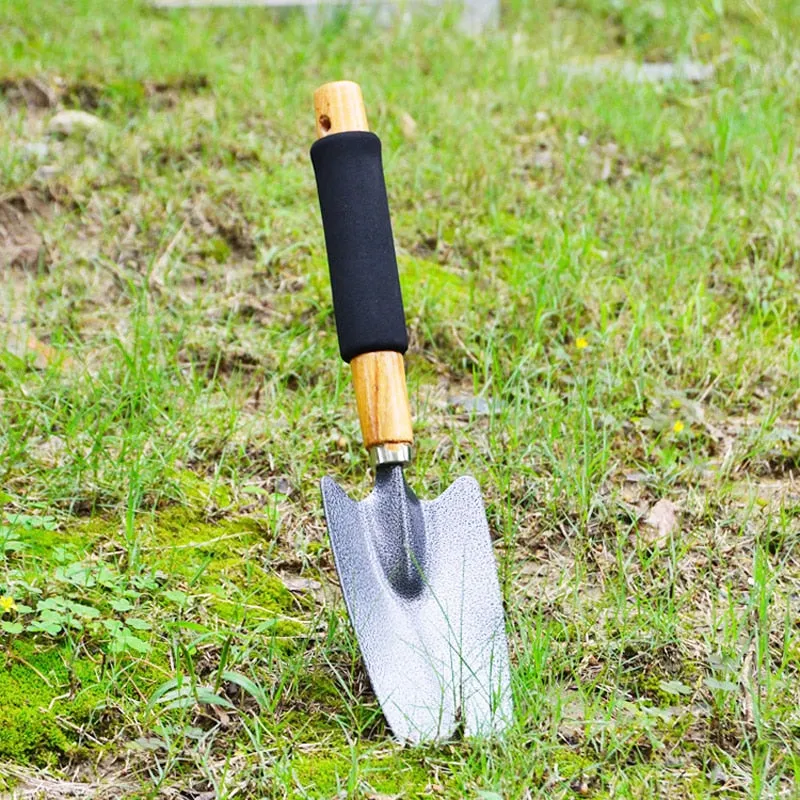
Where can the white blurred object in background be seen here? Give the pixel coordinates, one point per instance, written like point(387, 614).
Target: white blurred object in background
point(476, 16)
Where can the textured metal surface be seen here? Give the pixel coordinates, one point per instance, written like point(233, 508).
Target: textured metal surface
point(420, 583)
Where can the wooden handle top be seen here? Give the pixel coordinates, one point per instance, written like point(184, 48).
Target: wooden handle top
point(339, 107)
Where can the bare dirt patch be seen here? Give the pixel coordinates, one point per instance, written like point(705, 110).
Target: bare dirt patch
point(28, 93)
point(167, 94)
point(20, 242)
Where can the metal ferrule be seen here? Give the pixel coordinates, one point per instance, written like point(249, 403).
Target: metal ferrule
point(393, 453)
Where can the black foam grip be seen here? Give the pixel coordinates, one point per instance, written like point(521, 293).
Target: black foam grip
point(367, 301)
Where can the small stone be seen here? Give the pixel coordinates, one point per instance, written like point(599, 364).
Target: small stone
point(583, 140)
point(68, 122)
point(300, 585)
point(150, 743)
point(282, 485)
point(466, 402)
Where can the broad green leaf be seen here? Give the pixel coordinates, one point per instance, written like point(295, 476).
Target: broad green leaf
point(167, 686)
point(247, 685)
point(125, 640)
point(87, 612)
point(113, 626)
point(12, 627)
point(170, 697)
point(51, 616)
point(185, 697)
point(135, 643)
point(674, 687)
point(207, 697)
point(721, 686)
point(31, 522)
point(51, 604)
point(662, 713)
point(39, 626)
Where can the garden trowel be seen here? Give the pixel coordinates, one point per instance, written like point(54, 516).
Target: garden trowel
point(419, 577)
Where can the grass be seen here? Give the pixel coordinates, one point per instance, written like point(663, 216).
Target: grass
point(170, 395)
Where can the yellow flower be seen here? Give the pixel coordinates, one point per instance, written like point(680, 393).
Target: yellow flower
point(678, 426)
point(7, 604)
point(581, 343)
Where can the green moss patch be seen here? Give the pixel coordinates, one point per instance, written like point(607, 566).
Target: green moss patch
point(570, 764)
point(181, 541)
point(41, 536)
point(198, 493)
point(225, 559)
point(357, 773)
point(184, 526)
point(36, 688)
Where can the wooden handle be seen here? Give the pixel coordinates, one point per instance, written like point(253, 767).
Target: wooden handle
point(379, 378)
point(339, 107)
point(382, 398)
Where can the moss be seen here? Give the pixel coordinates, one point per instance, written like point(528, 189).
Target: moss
point(42, 540)
point(243, 591)
point(400, 772)
point(33, 685)
point(221, 558)
point(436, 284)
point(246, 590)
point(326, 774)
point(650, 685)
point(317, 686)
point(218, 249)
point(570, 764)
point(79, 536)
point(182, 542)
point(93, 528)
point(183, 525)
point(314, 724)
point(197, 493)
point(29, 734)
point(327, 703)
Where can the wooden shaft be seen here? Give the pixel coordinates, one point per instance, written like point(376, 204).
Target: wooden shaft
point(382, 398)
point(379, 378)
point(339, 107)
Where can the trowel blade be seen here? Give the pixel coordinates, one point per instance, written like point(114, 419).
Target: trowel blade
point(420, 584)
